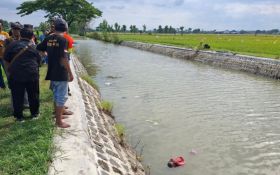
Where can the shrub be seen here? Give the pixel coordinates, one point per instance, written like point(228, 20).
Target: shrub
point(206, 46)
point(106, 37)
point(94, 35)
point(120, 131)
point(115, 39)
point(107, 107)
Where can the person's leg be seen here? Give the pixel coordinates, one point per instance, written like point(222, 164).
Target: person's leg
point(63, 115)
point(69, 93)
point(33, 97)
point(60, 97)
point(17, 89)
point(2, 83)
point(25, 100)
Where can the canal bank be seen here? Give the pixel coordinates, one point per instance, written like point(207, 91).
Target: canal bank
point(256, 65)
point(91, 145)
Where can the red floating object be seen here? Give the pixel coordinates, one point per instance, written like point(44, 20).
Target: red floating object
point(178, 161)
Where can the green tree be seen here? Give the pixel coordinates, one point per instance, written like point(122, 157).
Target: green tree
point(182, 30)
point(44, 26)
point(133, 29)
point(160, 30)
point(103, 26)
point(117, 27)
point(144, 28)
point(172, 30)
point(166, 29)
point(196, 31)
point(5, 24)
point(123, 29)
point(110, 28)
point(70, 10)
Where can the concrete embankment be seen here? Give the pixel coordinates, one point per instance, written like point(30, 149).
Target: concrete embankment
point(91, 145)
point(260, 66)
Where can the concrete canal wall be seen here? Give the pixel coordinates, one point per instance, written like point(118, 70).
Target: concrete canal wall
point(260, 66)
point(91, 145)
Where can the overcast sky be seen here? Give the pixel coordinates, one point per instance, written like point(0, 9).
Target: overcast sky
point(204, 14)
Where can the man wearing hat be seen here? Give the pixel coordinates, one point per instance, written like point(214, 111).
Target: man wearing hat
point(59, 71)
point(15, 33)
point(15, 36)
point(22, 63)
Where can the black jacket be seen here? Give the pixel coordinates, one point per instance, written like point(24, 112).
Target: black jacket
point(26, 66)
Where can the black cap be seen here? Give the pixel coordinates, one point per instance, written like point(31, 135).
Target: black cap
point(28, 26)
point(16, 25)
point(26, 32)
point(60, 25)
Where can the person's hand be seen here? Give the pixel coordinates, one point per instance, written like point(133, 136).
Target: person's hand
point(71, 77)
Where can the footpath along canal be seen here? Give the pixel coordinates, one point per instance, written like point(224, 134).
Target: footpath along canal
point(230, 119)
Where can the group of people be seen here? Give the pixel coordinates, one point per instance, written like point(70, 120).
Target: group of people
point(21, 56)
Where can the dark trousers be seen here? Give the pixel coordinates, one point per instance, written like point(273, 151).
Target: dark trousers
point(18, 89)
point(2, 83)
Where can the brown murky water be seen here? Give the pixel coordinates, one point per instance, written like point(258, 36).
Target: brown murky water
point(230, 119)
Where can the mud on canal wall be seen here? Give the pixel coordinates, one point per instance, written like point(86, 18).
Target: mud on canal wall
point(256, 65)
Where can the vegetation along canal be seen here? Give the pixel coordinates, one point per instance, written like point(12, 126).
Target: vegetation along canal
point(229, 119)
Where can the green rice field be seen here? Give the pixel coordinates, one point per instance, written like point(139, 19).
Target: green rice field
point(260, 45)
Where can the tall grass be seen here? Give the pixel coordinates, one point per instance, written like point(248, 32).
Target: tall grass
point(105, 36)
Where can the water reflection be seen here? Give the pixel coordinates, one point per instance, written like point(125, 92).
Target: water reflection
point(85, 54)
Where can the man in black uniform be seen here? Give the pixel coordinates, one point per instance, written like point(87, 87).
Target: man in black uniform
point(22, 63)
point(15, 36)
point(59, 71)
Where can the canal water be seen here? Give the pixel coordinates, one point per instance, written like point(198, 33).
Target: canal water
point(222, 122)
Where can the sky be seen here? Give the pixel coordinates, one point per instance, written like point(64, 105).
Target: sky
point(203, 14)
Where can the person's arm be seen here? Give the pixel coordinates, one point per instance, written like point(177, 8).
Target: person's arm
point(7, 59)
point(66, 64)
point(39, 58)
point(42, 46)
point(64, 59)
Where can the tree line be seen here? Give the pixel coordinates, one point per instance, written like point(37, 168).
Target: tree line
point(104, 26)
point(116, 27)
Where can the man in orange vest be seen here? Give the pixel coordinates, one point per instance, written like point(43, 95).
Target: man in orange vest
point(70, 42)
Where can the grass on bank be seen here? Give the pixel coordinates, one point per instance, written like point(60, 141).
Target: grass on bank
point(26, 148)
point(121, 133)
point(105, 36)
point(106, 106)
point(259, 45)
point(90, 81)
point(120, 130)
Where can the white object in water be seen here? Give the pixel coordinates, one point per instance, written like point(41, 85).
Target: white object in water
point(108, 83)
point(193, 152)
point(153, 122)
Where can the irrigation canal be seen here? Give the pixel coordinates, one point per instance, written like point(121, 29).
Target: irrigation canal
point(230, 119)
